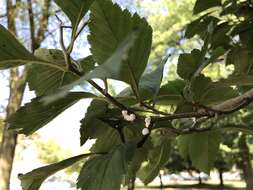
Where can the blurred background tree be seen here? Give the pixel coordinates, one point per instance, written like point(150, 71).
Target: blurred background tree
point(29, 21)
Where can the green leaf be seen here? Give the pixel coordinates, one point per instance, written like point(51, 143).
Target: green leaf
point(91, 126)
point(158, 157)
point(75, 10)
point(34, 115)
point(220, 36)
point(217, 52)
point(247, 129)
point(110, 69)
point(202, 5)
point(109, 27)
point(102, 143)
point(202, 148)
point(169, 94)
point(188, 63)
point(106, 172)
point(140, 155)
point(151, 82)
point(238, 80)
point(12, 53)
point(241, 58)
point(52, 77)
point(199, 26)
point(207, 94)
point(34, 179)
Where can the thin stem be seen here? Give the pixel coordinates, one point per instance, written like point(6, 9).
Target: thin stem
point(72, 43)
point(121, 134)
point(153, 109)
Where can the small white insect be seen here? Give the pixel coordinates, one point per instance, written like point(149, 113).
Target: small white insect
point(145, 131)
point(124, 113)
point(127, 117)
point(147, 121)
point(132, 117)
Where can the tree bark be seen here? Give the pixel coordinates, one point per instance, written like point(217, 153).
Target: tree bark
point(9, 139)
point(161, 181)
point(131, 184)
point(221, 178)
point(245, 164)
point(16, 86)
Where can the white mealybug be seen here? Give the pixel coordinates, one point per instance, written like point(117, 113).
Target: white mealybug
point(127, 117)
point(145, 131)
point(147, 121)
point(132, 117)
point(124, 113)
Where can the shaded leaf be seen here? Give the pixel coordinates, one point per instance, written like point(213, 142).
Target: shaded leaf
point(207, 94)
point(34, 179)
point(34, 115)
point(238, 80)
point(241, 58)
point(199, 26)
point(109, 27)
point(75, 10)
point(202, 5)
point(53, 78)
point(188, 64)
point(91, 126)
point(151, 82)
point(106, 172)
point(109, 69)
point(157, 158)
point(12, 53)
point(202, 148)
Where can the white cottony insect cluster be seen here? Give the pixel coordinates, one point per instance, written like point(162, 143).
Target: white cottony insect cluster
point(131, 117)
point(127, 117)
point(147, 121)
point(146, 131)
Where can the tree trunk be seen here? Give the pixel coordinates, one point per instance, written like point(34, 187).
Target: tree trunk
point(17, 86)
point(221, 178)
point(131, 184)
point(199, 178)
point(246, 162)
point(9, 138)
point(161, 181)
